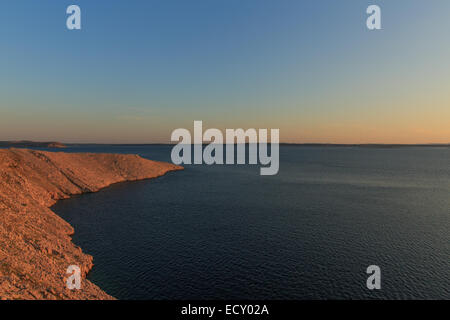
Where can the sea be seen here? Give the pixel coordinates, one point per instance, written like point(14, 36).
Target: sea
point(309, 232)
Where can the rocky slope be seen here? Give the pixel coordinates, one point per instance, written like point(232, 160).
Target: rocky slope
point(35, 243)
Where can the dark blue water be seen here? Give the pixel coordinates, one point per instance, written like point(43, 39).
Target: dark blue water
point(310, 232)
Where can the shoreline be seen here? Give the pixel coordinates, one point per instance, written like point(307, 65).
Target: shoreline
point(36, 243)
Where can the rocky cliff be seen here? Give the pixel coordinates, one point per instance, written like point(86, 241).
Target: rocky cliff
point(35, 243)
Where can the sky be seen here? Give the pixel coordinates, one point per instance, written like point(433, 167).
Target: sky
point(137, 70)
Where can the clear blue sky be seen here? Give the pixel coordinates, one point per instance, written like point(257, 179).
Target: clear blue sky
point(139, 69)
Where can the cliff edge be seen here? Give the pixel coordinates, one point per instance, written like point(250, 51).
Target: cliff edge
point(35, 243)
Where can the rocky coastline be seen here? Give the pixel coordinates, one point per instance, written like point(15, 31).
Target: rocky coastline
point(35, 243)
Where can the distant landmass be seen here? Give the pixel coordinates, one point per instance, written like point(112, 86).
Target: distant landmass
point(53, 144)
point(31, 144)
point(361, 145)
point(367, 145)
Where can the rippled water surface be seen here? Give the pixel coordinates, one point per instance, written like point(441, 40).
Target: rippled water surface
point(225, 232)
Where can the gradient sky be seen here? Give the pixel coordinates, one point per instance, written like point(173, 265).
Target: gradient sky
point(139, 69)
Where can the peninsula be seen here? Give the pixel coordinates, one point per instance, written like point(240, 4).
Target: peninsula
point(35, 243)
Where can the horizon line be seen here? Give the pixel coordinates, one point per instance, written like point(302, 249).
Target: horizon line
point(12, 142)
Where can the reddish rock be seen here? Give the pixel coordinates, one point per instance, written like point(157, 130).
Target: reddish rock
point(35, 243)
